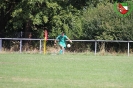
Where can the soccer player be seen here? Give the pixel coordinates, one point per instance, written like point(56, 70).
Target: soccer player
point(62, 42)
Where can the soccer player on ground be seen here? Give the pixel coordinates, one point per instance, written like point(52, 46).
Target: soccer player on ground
point(62, 42)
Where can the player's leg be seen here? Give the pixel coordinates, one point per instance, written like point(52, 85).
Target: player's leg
point(61, 49)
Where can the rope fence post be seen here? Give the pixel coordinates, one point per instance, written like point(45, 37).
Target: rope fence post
point(40, 46)
point(0, 44)
point(95, 47)
point(128, 49)
point(20, 45)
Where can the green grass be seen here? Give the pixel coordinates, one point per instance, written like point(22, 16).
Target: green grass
point(65, 71)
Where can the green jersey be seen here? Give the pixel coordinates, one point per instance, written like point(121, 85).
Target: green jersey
point(62, 40)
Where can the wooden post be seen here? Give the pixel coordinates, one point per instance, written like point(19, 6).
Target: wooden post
point(0, 44)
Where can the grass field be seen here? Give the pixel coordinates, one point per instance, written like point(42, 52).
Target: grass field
point(65, 71)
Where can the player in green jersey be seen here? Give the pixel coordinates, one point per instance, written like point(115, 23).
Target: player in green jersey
point(62, 42)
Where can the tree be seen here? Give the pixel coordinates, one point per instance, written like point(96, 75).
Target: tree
point(103, 23)
point(6, 9)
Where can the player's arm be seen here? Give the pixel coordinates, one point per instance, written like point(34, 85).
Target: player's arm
point(55, 41)
point(69, 40)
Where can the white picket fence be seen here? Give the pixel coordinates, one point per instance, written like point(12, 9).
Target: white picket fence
point(40, 47)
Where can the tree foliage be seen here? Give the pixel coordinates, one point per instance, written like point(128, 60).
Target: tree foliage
point(79, 19)
point(104, 24)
